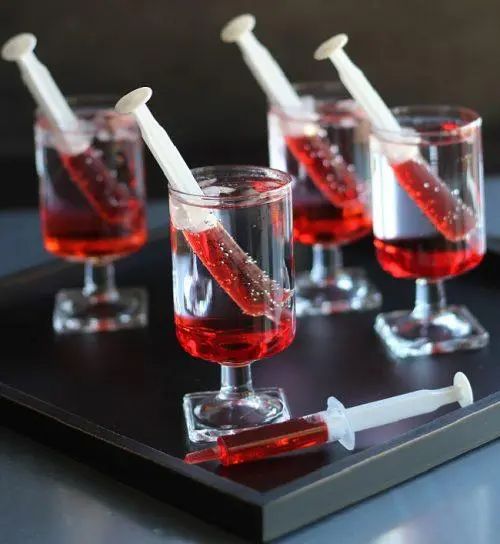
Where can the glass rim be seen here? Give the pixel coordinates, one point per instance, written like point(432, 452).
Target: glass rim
point(333, 86)
point(244, 170)
point(471, 119)
point(93, 102)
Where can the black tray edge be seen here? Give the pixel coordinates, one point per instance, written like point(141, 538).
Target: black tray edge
point(267, 515)
point(427, 447)
point(132, 463)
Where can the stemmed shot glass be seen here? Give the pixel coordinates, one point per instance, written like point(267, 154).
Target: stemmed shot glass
point(92, 208)
point(234, 291)
point(325, 146)
point(429, 223)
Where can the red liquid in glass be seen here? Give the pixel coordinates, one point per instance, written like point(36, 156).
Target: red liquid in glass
point(85, 217)
point(447, 212)
point(236, 340)
point(271, 440)
point(81, 235)
point(429, 258)
point(326, 169)
point(318, 222)
point(327, 207)
point(237, 273)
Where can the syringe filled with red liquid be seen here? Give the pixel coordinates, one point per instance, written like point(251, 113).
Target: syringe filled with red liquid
point(250, 287)
point(447, 212)
point(109, 198)
point(336, 423)
point(237, 273)
point(328, 170)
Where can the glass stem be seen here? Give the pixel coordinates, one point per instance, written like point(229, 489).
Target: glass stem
point(326, 262)
point(430, 299)
point(99, 283)
point(236, 382)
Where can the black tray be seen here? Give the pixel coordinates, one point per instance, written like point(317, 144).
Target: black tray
point(114, 399)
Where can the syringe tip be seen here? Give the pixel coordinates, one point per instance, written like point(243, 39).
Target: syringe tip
point(237, 27)
point(465, 394)
point(18, 46)
point(326, 49)
point(134, 99)
point(202, 456)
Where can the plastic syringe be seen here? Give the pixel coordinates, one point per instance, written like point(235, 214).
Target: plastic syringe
point(327, 169)
point(250, 287)
point(449, 214)
point(336, 423)
point(108, 197)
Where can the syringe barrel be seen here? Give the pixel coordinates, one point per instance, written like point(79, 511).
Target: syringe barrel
point(274, 439)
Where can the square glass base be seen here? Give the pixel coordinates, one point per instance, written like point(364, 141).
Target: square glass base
point(451, 329)
point(349, 290)
point(75, 312)
point(268, 405)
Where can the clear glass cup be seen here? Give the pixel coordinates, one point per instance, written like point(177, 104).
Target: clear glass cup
point(325, 146)
point(92, 209)
point(233, 281)
point(428, 218)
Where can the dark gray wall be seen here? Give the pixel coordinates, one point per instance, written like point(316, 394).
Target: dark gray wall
point(413, 51)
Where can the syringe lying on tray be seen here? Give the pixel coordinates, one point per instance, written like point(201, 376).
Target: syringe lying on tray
point(336, 423)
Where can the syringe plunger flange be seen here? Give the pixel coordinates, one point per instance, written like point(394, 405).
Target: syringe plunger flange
point(18, 46)
point(237, 27)
point(326, 49)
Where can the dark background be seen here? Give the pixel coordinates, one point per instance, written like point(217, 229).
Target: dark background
point(417, 51)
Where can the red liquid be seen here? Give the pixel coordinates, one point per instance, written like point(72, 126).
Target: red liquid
point(108, 197)
point(318, 222)
point(271, 440)
point(80, 235)
point(266, 441)
point(326, 169)
point(234, 341)
point(237, 273)
point(329, 212)
point(429, 258)
point(89, 211)
point(447, 212)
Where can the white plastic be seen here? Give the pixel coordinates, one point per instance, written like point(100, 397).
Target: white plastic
point(344, 423)
point(326, 49)
point(339, 427)
point(46, 93)
point(366, 96)
point(168, 157)
point(263, 66)
point(237, 27)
